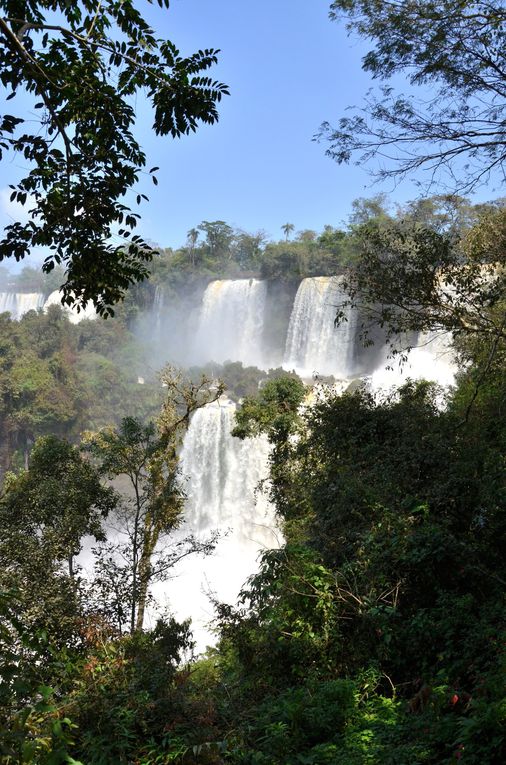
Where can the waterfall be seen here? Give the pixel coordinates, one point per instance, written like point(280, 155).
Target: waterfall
point(19, 303)
point(231, 322)
point(314, 344)
point(158, 306)
point(73, 315)
point(221, 476)
point(431, 358)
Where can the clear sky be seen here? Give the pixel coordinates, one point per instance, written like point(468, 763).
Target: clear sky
point(289, 68)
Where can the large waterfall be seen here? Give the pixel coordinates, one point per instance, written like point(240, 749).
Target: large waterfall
point(231, 322)
point(19, 303)
point(221, 475)
point(314, 345)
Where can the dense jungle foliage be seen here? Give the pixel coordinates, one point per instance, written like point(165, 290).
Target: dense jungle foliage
point(376, 633)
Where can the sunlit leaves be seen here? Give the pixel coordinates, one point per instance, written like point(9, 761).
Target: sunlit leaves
point(82, 74)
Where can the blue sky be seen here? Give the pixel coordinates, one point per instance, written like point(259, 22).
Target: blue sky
point(289, 68)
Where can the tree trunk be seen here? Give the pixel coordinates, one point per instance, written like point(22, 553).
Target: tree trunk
point(148, 546)
point(142, 588)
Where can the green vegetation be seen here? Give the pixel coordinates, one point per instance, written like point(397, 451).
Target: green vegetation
point(148, 457)
point(82, 63)
point(375, 635)
point(59, 378)
point(217, 251)
point(214, 250)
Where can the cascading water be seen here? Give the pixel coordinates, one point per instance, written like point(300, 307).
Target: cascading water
point(231, 322)
point(19, 303)
point(73, 314)
point(314, 345)
point(158, 306)
point(221, 475)
point(431, 358)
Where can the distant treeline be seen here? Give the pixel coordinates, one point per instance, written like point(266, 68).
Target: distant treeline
point(214, 249)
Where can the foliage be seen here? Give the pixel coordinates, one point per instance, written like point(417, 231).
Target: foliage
point(225, 252)
point(287, 229)
point(457, 128)
point(393, 571)
point(274, 410)
point(148, 457)
point(238, 381)
point(83, 64)
point(59, 378)
point(409, 277)
point(62, 497)
point(127, 693)
point(45, 512)
point(40, 391)
point(376, 633)
point(33, 727)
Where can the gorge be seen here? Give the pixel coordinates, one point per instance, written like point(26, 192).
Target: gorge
point(240, 320)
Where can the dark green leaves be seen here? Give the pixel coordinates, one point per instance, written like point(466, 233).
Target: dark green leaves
point(86, 159)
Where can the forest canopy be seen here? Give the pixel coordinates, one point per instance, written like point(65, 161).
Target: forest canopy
point(375, 632)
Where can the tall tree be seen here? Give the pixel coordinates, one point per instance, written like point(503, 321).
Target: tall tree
point(457, 130)
point(148, 457)
point(219, 237)
point(83, 63)
point(192, 238)
point(287, 229)
point(45, 514)
point(408, 276)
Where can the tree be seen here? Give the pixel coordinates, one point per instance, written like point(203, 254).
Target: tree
point(219, 237)
point(248, 249)
point(275, 410)
point(192, 238)
point(41, 392)
point(458, 129)
point(287, 229)
point(409, 277)
point(83, 63)
point(148, 457)
point(390, 586)
point(33, 729)
point(45, 513)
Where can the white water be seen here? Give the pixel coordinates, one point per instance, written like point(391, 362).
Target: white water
point(314, 345)
point(158, 307)
point(73, 314)
point(231, 322)
point(432, 358)
point(19, 303)
point(222, 475)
